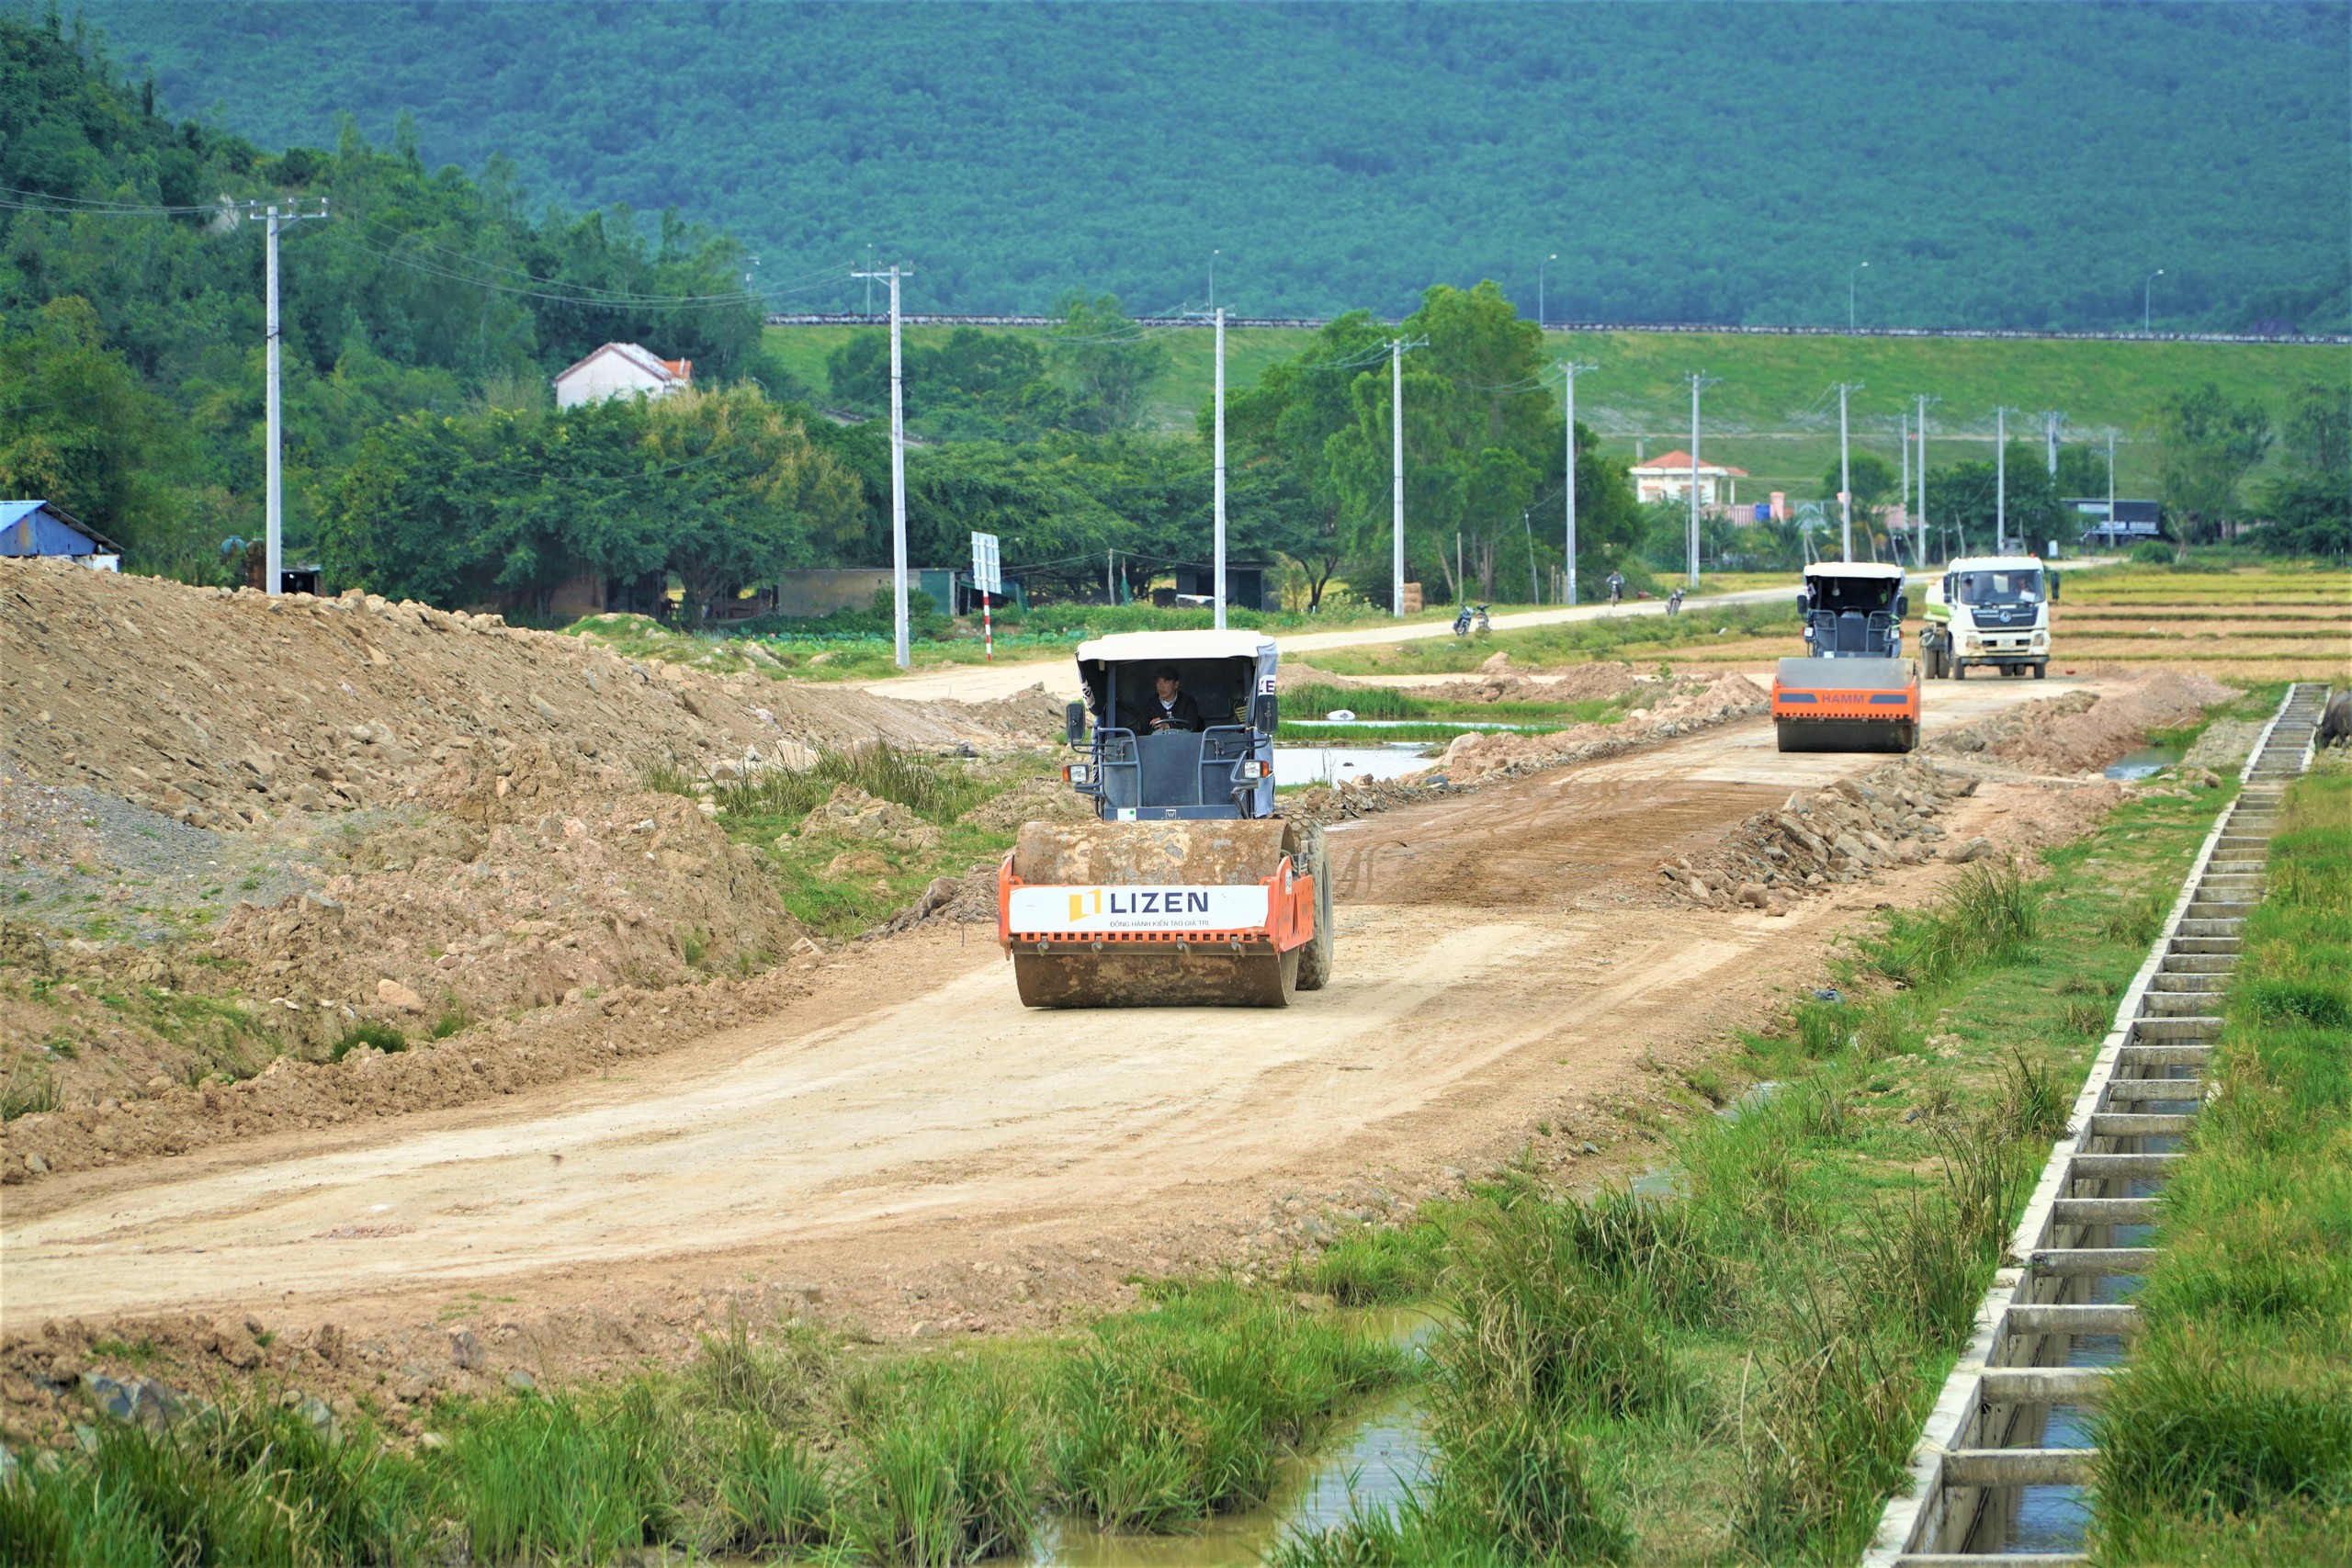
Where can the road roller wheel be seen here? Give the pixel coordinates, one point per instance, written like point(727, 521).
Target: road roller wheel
point(1314, 958)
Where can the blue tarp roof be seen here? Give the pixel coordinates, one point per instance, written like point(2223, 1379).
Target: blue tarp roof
point(37, 528)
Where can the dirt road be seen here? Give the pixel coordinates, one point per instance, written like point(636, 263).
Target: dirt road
point(986, 683)
point(913, 1117)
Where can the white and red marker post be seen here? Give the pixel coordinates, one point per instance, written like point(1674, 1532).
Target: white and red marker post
point(987, 577)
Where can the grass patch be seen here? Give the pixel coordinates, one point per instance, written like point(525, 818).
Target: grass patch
point(381, 1036)
point(2229, 1436)
point(1167, 1417)
point(1637, 637)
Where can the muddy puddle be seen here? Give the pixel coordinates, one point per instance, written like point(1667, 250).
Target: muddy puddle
point(2140, 764)
point(1339, 764)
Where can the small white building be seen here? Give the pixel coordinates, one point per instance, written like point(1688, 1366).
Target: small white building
point(1667, 478)
point(622, 370)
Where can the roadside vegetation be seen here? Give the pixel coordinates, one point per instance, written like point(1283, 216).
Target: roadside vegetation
point(783, 1444)
point(1635, 637)
point(842, 871)
point(2229, 1436)
point(1730, 1360)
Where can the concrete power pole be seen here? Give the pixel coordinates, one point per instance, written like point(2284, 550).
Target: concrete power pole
point(1220, 466)
point(1921, 428)
point(1698, 381)
point(2001, 482)
point(898, 468)
point(2053, 422)
point(1845, 474)
point(273, 458)
point(2110, 490)
point(1397, 347)
point(1903, 445)
point(1568, 369)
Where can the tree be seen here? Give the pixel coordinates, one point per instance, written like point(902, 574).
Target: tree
point(2207, 443)
point(78, 429)
point(1107, 359)
point(1964, 501)
point(2310, 507)
point(737, 492)
point(1280, 435)
point(2082, 472)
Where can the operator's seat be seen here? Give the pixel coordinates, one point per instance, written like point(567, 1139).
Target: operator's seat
point(1851, 633)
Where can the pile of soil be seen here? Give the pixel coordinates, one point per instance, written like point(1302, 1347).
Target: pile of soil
point(1684, 705)
point(1499, 682)
point(2081, 732)
point(232, 710)
point(249, 835)
point(1819, 839)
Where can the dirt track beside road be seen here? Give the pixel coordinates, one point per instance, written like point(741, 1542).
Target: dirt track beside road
point(907, 1145)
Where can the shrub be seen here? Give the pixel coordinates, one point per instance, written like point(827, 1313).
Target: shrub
point(772, 1491)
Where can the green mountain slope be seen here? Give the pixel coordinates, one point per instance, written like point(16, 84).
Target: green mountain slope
point(1997, 164)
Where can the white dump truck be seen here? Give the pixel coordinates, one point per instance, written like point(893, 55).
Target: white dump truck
point(1988, 610)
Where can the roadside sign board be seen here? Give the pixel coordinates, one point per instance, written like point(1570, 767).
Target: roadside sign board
point(988, 576)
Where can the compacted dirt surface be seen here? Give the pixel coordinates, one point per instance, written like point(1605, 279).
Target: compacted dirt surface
point(888, 1143)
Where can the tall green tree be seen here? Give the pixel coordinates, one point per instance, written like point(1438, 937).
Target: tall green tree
point(1280, 435)
point(2207, 442)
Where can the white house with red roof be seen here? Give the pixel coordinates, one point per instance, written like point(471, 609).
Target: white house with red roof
point(1667, 478)
point(622, 370)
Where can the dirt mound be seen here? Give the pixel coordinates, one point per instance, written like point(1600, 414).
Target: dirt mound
point(1047, 799)
point(2081, 732)
point(1684, 705)
point(1819, 839)
point(232, 710)
point(1501, 683)
point(255, 841)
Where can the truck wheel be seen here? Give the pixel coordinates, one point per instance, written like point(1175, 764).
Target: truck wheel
point(1960, 669)
point(2041, 671)
point(1314, 958)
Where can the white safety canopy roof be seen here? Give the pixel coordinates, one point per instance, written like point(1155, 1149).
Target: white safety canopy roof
point(1881, 571)
point(1140, 647)
point(1994, 563)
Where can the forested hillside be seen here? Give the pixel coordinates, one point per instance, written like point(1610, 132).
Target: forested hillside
point(1996, 165)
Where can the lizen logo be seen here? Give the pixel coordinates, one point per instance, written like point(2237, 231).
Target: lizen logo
point(1124, 908)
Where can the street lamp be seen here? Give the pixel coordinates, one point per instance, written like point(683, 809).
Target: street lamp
point(2147, 291)
point(1851, 275)
point(1539, 288)
point(1213, 255)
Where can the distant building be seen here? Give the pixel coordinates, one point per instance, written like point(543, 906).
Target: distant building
point(2133, 521)
point(1249, 585)
point(43, 528)
point(1667, 478)
point(621, 370)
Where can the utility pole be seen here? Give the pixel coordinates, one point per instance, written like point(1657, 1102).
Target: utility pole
point(1923, 401)
point(1220, 458)
point(1397, 347)
point(1845, 474)
point(2052, 421)
point(273, 458)
point(1903, 443)
point(1698, 381)
point(898, 468)
point(2001, 482)
point(1568, 369)
point(2110, 490)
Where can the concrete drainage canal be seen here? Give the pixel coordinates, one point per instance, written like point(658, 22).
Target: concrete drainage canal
point(2002, 1469)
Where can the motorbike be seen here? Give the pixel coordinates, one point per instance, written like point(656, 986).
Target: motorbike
point(1471, 618)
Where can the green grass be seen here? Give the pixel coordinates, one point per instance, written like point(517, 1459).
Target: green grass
point(1167, 1417)
point(1735, 1371)
point(1640, 639)
point(2229, 1436)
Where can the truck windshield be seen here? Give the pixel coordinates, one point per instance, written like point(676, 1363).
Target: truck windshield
point(1998, 587)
